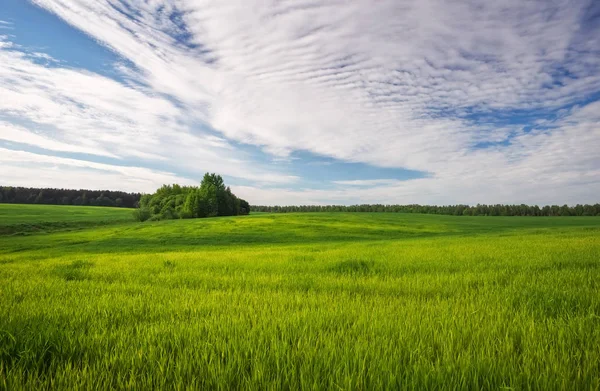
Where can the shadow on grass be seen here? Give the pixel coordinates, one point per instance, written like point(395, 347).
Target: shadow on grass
point(75, 271)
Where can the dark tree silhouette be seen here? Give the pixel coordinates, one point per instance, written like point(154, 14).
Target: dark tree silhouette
point(28, 195)
point(456, 210)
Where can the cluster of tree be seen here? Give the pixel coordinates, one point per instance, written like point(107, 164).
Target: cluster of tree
point(456, 210)
point(27, 195)
point(211, 199)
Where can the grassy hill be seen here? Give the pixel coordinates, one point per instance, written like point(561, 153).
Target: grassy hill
point(297, 301)
point(20, 219)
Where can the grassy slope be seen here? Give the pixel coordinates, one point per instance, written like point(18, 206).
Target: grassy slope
point(22, 219)
point(305, 301)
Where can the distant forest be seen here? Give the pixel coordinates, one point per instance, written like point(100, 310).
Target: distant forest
point(29, 195)
point(170, 202)
point(212, 198)
point(454, 210)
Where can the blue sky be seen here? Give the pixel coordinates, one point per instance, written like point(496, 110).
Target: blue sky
point(305, 101)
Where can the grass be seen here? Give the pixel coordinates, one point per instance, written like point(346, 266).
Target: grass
point(27, 219)
point(304, 301)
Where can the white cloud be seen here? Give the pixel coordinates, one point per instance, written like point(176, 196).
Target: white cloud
point(18, 134)
point(537, 168)
point(79, 111)
point(368, 182)
point(31, 169)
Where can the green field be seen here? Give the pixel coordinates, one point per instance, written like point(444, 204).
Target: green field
point(22, 219)
point(298, 301)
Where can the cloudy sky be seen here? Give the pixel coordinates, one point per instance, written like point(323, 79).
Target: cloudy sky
point(306, 101)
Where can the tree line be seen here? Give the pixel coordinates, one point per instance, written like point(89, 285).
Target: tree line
point(211, 198)
point(31, 195)
point(455, 210)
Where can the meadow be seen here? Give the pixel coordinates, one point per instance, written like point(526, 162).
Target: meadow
point(22, 219)
point(90, 299)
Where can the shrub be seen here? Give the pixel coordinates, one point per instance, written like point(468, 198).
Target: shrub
point(142, 214)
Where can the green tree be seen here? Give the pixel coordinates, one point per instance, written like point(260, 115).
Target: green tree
point(40, 198)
